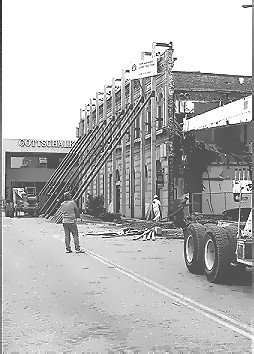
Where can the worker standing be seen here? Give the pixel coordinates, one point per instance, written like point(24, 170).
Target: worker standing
point(156, 204)
point(70, 213)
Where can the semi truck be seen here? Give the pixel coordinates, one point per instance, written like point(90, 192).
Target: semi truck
point(24, 200)
point(213, 248)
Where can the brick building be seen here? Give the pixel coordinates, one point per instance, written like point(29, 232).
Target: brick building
point(149, 156)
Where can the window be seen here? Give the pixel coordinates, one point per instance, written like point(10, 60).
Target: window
point(26, 162)
point(117, 176)
point(146, 171)
point(128, 134)
point(159, 111)
point(17, 162)
point(110, 187)
point(148, 121)
point(137, 127)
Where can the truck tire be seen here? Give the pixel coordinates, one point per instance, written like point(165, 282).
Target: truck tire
point(194, 248)
point(231, 231)
point(216, 250)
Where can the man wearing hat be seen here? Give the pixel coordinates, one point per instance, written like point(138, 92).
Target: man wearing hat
point(70, 213)
point(156, 208)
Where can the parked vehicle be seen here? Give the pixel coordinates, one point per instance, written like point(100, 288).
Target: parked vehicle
point(24, 200)
point(213, 248)
point(9, 208)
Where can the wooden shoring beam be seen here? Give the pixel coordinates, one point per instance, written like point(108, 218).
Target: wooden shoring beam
point(126, 124)
point(90, 128)
point(105, 188)
point(113, 156)
point(98, 177)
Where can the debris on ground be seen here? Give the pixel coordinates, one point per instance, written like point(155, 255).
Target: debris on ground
point(142, 233)
point(137, 228)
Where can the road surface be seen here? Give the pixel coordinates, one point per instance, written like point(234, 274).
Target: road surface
point(122, 296)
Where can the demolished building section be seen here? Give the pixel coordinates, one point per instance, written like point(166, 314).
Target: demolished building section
point(135, 132)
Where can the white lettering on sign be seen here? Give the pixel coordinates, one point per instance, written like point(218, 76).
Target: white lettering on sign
point(143, 68)
point(46, 143)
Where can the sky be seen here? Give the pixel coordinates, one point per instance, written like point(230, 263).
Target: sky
point(58, 53)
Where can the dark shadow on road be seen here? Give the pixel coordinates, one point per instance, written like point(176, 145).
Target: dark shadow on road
point(238, 277)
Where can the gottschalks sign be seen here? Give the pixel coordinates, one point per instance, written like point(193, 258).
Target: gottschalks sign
point(46, 143)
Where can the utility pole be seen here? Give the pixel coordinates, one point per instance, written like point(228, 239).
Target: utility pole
point(142, 149)
point(132, 171)
point(85, 132)
point(90, 128)
point(153, 130)
point(85, 120)
point(80, 126)
point(113, 156)
point(106, 163)
point(97, 124)
point(123, 106)
point(169, 111)
point(91, 115)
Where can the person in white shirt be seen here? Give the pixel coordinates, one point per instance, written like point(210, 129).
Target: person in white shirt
point(156, 208)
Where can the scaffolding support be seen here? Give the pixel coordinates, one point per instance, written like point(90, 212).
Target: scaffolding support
point(90, 128)
point(85, 132)
point(113, 156)
point(65, 165)
point(105, 182)
point(126, 124)
point(92, 154)
point(70, 173)
point(97, 124)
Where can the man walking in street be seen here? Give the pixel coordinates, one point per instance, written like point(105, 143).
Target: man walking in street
point(70, 213)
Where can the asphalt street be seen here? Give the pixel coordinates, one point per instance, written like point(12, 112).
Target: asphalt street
point(122, 296)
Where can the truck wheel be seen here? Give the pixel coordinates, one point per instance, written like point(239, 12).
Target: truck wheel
point(193, 248)
point(231, 231)
point(216, 260)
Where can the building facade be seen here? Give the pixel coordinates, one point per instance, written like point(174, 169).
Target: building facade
point(149, 158)
point(30, 162)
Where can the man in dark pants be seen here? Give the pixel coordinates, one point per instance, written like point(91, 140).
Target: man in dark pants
point(70, 213)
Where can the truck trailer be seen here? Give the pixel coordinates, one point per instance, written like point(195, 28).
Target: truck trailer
point(213, 248)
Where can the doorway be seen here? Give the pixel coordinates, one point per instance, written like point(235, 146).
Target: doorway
point(117, 199)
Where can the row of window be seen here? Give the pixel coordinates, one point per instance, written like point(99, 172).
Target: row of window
point(181, 108)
